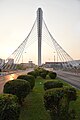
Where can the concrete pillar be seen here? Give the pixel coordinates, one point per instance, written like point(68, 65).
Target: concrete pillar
point(39, 28)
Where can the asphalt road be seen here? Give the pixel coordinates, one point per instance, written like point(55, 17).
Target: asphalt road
point(72, 78)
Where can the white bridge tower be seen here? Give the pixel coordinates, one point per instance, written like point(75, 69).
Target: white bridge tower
point(39, 28)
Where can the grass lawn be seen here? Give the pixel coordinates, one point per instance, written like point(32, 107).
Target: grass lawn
point(33, 108)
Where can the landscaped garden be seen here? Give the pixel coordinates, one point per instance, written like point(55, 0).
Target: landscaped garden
point(39, 96)
point(33, 108)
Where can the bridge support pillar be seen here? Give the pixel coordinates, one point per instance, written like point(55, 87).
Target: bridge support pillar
point(39, 28)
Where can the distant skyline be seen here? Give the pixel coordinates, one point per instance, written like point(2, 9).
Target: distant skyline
point(61, 16)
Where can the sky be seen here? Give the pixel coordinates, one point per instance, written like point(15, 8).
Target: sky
point(61, 16)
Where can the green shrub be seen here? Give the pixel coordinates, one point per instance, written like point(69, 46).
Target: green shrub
point(52, 97)
point(28, 78)
point(52, 75)
point(41, 72)
point(71, 94)
point(9, 107)
point(57, 101)
point(33, 73)
point(37, 71)
point(43, 75)
point(20, 88)
point(52, 84)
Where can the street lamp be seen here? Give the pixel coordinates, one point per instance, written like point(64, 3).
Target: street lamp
point(22, 57)
point(54, 56)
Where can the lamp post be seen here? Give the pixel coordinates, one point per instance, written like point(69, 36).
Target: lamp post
point(22, 57)
point(54, 56)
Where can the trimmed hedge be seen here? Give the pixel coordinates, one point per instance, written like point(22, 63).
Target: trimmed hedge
point(70, 94)
point(57, 101)
point(18, 87)
point(52, 97)
point(52, 75)
point(9, 107)
point(43, 75)
point(41, 72)
point(28, 78)
point(33, 73)
point(49, 84)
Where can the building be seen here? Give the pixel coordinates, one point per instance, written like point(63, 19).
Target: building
point(55, 65)
point(10, 61)
point(30, 64)
point(2, 62)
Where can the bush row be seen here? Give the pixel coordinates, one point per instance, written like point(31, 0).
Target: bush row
point(42, 73)
point(57, 99)
point(15, 92)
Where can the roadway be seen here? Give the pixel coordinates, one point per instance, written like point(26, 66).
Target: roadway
point(71, 78)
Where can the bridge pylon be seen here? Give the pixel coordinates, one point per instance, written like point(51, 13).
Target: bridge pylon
point(39, 29)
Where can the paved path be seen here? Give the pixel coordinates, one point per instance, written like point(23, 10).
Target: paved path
point(72, 78)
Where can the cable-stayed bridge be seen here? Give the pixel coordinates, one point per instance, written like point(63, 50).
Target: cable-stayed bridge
point(38, 35)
